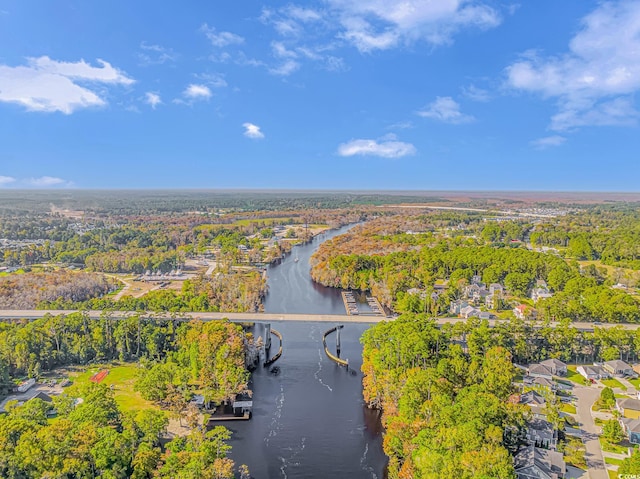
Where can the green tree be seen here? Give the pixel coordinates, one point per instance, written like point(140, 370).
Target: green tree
point(612, 431)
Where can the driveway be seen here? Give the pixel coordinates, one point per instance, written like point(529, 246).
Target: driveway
point(586, 397)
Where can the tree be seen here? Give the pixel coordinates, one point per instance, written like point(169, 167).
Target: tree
point(612, 431)
point(607, 398)
point(630, 465)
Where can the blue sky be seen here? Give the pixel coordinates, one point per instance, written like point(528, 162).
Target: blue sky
point(339, 94)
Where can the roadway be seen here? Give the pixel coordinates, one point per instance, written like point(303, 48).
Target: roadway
point(239, 317)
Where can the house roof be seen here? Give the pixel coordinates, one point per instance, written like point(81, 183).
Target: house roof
point(540, 369)
point(553, 362)
point(532, 397)
point(544, 382)
point(631, 425)
point(550, 462)
point(617, 365)
point(43, 396)
point(521, 307)
point(628, 403)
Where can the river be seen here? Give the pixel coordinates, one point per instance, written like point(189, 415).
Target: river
point(309, 421)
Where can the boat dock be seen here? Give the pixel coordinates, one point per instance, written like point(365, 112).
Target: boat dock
point(350, 303)
point(375, 306)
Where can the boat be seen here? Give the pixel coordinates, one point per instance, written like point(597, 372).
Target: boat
point(295, 260)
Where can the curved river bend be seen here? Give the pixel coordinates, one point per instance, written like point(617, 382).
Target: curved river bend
point(309, 421)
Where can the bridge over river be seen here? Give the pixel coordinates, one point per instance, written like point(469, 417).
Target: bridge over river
point(266, 317)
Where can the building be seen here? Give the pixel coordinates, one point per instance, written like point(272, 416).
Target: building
point(539, 371)
point(631, 428)
point(522, 311)
point(540, 293)
point(629, 408)
point(535, 463)
point(456, 306)
point(469, 312)
point(496, 288)
point(544, 383)
point(557, 367)
point(536, 403)
point(541, 433)
point(593, 373)
point(619, 368)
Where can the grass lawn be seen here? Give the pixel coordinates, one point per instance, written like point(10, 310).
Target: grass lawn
point(635, 382)
point(613, 460)
point(612, 474)
point(568, 408)
point(608, 447)
point(613, 383)
point(123, 377)
point(575, 377)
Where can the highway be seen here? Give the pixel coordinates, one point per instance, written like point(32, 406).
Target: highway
point(267, 317)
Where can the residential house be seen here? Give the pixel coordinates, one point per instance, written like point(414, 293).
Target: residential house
point(535, 463)
point(522, 311)
point(485, 315)
point(476, 279)
point(456, 306)
point(540, 371)
point(536, 403)
point(469, 312)
point(629, 408)
point(619, 368)
point(476, 292)
point(593, 372)
point(631, 428)
point(544, 383)
point(541, 433)
point(540, 293)
point(557, 367)
point(496, 288)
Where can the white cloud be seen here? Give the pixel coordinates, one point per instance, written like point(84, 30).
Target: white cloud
point(593, 83)
point(382, 24)
point(47, 181)
point(5, 180)
point(49, 85)
point(285, 69)
point(155, 54)
point(303, 14)
point(221, 39)
point(385, 147)
point(252, 131)
point(474, 93)
point(445, 109)
point(214, 80)
point(197, 92)
point(152, 99)
point(548, 142)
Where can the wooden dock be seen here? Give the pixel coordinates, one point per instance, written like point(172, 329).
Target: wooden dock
point(350, 304)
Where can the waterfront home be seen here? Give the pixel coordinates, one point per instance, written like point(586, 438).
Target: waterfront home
point(619, 368)
point(629, 408)
point(593, 372)
point(535, 463)
point(557, 367)
point(631, 428)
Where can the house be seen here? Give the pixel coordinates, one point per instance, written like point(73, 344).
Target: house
point(539, 371)
point(476, 279)
point(476, 292)
point(522, 311)
point(631, 428)
point(540, 293)
point(491, 301)
point(629, 408)
point(544, 383)
point(557, 367)
point(619, 368)
point(541, 433)
point(485, 315)
point(535, 463)
point(469, 312)
point(496, 288)
point(593, 372)
point(456, 306)
point(536, 403)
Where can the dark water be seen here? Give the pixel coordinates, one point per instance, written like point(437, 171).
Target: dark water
point(309, 421)
point(291, 289)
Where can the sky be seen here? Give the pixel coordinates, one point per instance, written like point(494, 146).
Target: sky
point(320, 94)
